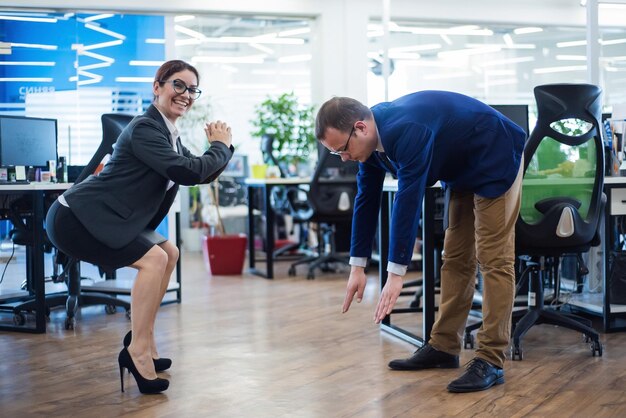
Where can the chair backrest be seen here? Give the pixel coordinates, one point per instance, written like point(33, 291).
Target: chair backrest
point(112, 126)
point(562, 199)
point(268, 152)
point(332, 197)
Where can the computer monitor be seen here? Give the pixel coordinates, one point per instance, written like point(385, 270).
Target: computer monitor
point(26, 141)
point(516, 112)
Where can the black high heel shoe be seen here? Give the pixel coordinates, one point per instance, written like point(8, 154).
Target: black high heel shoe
point(145, 386)
point(160, 364)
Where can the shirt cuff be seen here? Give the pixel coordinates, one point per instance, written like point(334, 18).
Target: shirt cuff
point(398, 269)
point(358, 261)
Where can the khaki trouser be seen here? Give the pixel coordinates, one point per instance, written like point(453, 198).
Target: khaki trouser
point(479, 229)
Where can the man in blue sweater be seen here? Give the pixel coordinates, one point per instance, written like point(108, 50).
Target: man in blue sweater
point(423, 138)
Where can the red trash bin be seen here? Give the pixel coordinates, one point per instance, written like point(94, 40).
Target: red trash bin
point(224, 254)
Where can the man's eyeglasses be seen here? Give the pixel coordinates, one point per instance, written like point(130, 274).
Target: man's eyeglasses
point(180, 87)
point(344, 150)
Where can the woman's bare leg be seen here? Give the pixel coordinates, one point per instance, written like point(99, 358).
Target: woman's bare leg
point(145, 300)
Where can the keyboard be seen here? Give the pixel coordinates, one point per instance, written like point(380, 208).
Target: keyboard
point(6, 182)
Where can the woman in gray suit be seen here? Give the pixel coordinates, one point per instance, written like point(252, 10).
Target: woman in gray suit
point(110, 219)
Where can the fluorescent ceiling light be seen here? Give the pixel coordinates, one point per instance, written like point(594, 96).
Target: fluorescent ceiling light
point(612, 42)
point(30, 79)
point(507, 61)
point(155, 41)
point(413, 48)
point(570, 43)
point(140, 63)
point(527, 30)
point(404, 55)
point(293, 32)
point(189, 32)
point(496, 73)
point(469, 51)
point(250, 59)
point(134, 79)
point(503, 46)
point(105, 31)
point(446, 76)
point(30, 63)
point(98, 17)
point(446, 39)
point(571, 57)
point(507, 39)
point(295, 58)
point(36, 46)
point(183, 18)
point(30, 19)
point(447, 31)
point(256, 39)
point(100, 45)
point(550, 70)
point(188, 41)
point(93, 66)
point(262, 48)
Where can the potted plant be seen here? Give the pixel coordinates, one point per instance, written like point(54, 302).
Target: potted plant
point(288, 125)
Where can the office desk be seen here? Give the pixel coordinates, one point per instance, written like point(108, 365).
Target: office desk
point(36, 253)
point(265, 186)
point(428, 262)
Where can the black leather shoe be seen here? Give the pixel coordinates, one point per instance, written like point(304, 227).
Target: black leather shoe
point(160, 364)
point(426, 357)
point(479, 375)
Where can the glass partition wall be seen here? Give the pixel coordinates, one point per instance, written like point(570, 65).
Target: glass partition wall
point(498, 64)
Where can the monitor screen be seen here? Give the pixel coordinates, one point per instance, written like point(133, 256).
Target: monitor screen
point(517, 113)
point(27, 141)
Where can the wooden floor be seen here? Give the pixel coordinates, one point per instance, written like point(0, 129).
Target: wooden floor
point(250, 347)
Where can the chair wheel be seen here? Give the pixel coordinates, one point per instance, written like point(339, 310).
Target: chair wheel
point(310, 275)
point(517, 353)
point(468, 340)
point(292, 271)
point(415, 303)
point(596, 347)
point(19, 319)
point(110, 309)
point(69, 323)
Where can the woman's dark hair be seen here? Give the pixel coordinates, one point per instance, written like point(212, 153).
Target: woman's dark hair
point(340, 113)
point(168, 68)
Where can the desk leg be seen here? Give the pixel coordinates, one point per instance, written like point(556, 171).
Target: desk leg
point(383, 251)
point(38, 263)
point(428, 262)
point(251, 229)
point(269, 231)
point(606, 249)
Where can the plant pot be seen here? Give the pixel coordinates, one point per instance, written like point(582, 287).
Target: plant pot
point(225, 254)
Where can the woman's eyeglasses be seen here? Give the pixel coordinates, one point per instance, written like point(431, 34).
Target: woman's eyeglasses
point(180, 87)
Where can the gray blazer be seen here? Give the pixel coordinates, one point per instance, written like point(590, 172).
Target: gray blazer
point(130, 195)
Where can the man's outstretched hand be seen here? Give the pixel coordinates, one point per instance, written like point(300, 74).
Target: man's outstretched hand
point(356, 285)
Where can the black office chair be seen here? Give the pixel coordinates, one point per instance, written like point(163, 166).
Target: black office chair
point(332, 201)
point(287, 200)
point(562, 198)
point(112, 126)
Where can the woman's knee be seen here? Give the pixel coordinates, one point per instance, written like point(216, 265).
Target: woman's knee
point(155, 259)
point(172, 252)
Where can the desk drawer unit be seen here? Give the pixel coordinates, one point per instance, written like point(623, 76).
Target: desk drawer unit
point(618, 201)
